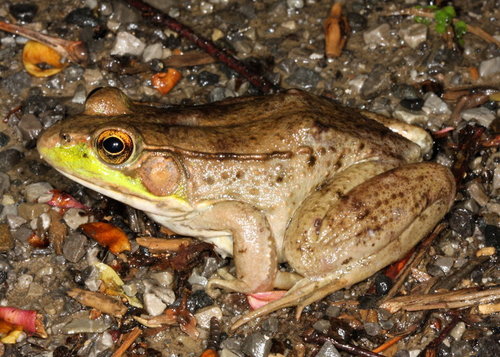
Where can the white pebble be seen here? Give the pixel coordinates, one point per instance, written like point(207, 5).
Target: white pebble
point(153, 51)
point(127, 44)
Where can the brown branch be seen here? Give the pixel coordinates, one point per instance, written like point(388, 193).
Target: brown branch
point(74, 51)
point(447, 300)
point(127, 342)
point(162, 244)
point(159, 18)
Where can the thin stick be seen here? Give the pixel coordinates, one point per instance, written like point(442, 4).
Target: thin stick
point(127, 342)
point(354, 350)
point(158, 17)
point(74, 51)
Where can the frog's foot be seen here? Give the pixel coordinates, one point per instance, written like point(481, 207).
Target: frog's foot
point(305, 292)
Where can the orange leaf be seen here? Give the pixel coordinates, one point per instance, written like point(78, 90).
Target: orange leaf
point(336, 29)
point(40, 60)
point(164, 82)
point(393, 270)
point(107, 235)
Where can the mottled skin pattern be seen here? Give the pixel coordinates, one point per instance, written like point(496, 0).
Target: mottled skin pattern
point(290, 177)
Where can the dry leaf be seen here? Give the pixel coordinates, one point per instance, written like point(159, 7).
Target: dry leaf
point(40, 60)
point(336, 30)
point(164, 82)
point(107, 235)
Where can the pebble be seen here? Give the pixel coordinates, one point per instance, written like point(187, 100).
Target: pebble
point(210, 267)
point(82, 17)
point(4, 139)
point(377, 36)
point(405, 91)
point(332, 311)
point(228, 353)
point(6, 240)
point(38, 192)
point(434, 105)
point(444, 263)
point(482, 115)
point(75, 217)
point(414, 104)
point(409, 117)
point(204, 315)
point(30, 127)
point(85, 325)
point(127, 44)
point(357, 22)
point(80, 95)
point(166, 295)
point(489, 67)
point(476, 191)
point(15, 221)
point(382, 284)
point(322, 326)
point(23, 12)
point(257, 345)
point(492, 236)
point(303, 78)
point(153, 51)
point(164, 278)
point(75, 247)
point(295, 4)
point(206, 78)
point(198, 300)
point(197, 279)
point(328, 350)
point(153, 304)
point(16, 82)
point(414, 35)
point(462, 222)
point(377, 82)
point(372, 328)
point(9, 158)
point(31, 211)
point(24, 281)
point(4, 183)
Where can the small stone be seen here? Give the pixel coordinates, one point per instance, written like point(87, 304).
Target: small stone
point(164, 278)
point(23, 12)
point(82, 17)
point(445, 263)
point(435, 105)
point(166, 295)
point(35, 191)
point(357, 22)
point(31, 211)
point(462, 222)
point(492, 236)
point(414, 104)
point(151, 52)
point(382, 284)
point(16, 82)
point(4, 183)
point(15, 221)
point(203, 316)
point(22, 234)
point(322, 326)
point(206, 78)
point(75, 217)
point(332, 311)
point(92, 76)
point(295, 4)
point(85, 325)
point(303, 78)
point(24, 281)
point(198, 300)
point(410, 117)
point(4, 139)
point(378, 81)
point(482, 115)
point(377, 36)
point(210, 267)
point(476, 191)
point(196, 278)
point(9, 158)
point(328, 350)
point(127, 44)
point(489, 67)
point(75, 247)
point(372, 328)
point(153, 304)
point(80, 95)
point(257, 345)
point(414, 34)
point(405, 91)
point(6, 241)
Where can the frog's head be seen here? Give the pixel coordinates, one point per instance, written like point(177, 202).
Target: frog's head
point(104, 150)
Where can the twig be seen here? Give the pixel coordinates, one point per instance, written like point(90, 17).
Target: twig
point(449, 282)
point(447, 300)
point(74, 51)
point(414, 261)
point(127, 342)
point(158, 17)
point(161, 244)
point(430, 349)
point(355, 350)
point(472, 29)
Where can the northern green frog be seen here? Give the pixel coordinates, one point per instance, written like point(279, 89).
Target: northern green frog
point(290, 177)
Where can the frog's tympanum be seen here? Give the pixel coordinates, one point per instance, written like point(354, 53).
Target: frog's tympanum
point(287, 178)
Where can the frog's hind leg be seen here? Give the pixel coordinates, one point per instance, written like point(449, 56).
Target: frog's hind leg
point(351, 228)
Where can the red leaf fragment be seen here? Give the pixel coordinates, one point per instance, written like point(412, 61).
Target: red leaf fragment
point(65, 201)
point(29, 320)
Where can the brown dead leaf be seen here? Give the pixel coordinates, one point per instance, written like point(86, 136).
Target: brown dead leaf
point(40, 60)
point(107, 304)
point(107, 235)
point(336, 30)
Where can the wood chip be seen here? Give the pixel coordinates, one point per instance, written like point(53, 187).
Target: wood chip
point(488, 308)
point(107, 304)
point(486, 251)
point(127, 342)
point(162, 245)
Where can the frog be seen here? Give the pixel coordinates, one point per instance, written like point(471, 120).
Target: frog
point(303, 193)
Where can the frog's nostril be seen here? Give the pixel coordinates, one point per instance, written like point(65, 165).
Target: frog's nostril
point(65, 137)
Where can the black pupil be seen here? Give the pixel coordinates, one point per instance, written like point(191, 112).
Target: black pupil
point(113, 145)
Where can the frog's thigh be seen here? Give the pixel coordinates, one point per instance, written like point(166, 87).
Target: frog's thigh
point(253, 245)
point(342, 232)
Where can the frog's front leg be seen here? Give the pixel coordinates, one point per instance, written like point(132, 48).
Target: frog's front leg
point(355, 225)
point(254, 248)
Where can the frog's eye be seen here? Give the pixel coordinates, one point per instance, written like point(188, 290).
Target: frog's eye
point(114, 146)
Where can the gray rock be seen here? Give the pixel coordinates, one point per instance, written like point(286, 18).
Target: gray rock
point(303, 78)
point(489, 67)
point(477, 192)
point(372, 328)
point(163, 278)
point(257, 345)
point(166, 295)
point(9, 158)
point(36, 191)
point(414, 34)
point(75, 217)
point(482, 115)
point(377, 36)
point(322, 326)
point(295, 4)
point(15, 221)
point(328, 350)
point(228, 353)
point(80, 95)
point(153, 304)
point(152, 52)
point(410, 117)
point(127, 44)
point(4, 139)
point(444, 263)
point(332, 311)
point(377, 82)
point(74, 247)
point(30, 127)
point(4, 183)
point(85, 325)
point(435, 105)
point(204, 315)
